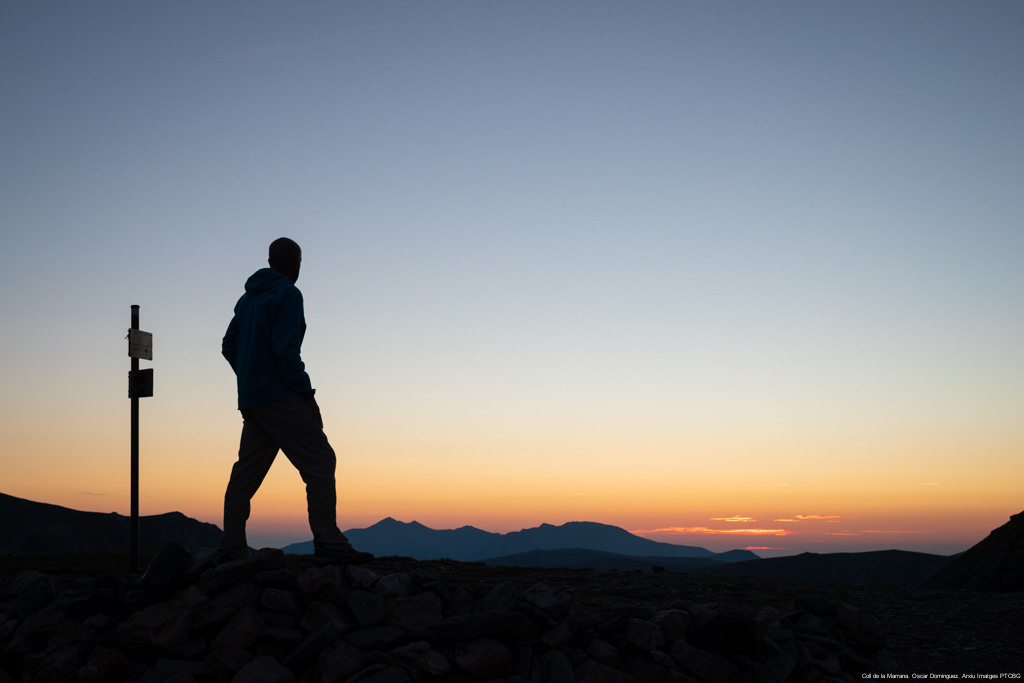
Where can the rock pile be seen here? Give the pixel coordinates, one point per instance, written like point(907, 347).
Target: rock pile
point(268, 619)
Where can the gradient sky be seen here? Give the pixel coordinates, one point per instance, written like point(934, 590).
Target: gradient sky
point(735, 274)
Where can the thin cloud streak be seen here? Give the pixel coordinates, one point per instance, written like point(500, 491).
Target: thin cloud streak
point(703, 530)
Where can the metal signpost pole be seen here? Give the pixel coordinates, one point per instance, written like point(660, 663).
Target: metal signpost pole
point(134, 393)
point(140, 385)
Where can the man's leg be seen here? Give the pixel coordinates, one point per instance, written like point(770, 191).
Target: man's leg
point(297, 431)
point(256, 452)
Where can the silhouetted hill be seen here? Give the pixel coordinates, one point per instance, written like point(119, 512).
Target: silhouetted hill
point(30, 527)
point(995, 564)
point(390, 537)
point(879, 568)
point(576, 558)
point(587, 536)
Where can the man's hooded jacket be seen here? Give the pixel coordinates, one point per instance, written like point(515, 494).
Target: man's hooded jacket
point(264, 340)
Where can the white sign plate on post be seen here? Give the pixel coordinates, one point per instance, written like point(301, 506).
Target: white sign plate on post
point(140, 344)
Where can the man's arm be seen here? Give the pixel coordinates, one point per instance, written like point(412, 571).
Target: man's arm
point(287, 342)
point(229, 345)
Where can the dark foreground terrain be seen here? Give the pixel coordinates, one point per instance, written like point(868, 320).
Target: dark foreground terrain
point(277, 618)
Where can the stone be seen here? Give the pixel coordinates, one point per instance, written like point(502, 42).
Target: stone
point(215, 612)
point(556, 668)
point(640, 668)
point(337, 662)
point(56, 665)
point(595, 672)
point(191, 596)
point(704, 665)
point(268, 559)
point(522, 663)
point(673, 624)
point(166, 670)
point(361, 577)
point(454, 598)
point(677, 676)
point(559, 635)
point(485, 658)
point(319, 614)
point(810, 623)
point(391, 674)
point(241, 630)
point(227, 660)
point(104, 665)
point(71, 633)
point(323, 583)
point(555, 601)
point(367, 608)
point(202, 559)
point(847, 617)
point(728, 633)
point(163, 625)
point(89, 600)
point(502, 597)
point(375, 637)
point(603, 651)
point(34, 590)
point(226, 576)
point(310, 579)
point(277, 578)
point(34, 632)
point(414, 610)
point(311, 645)
point(279, 640)
point(816, 604)
point(281, 600)
point(98, 621)
point(477, 624)
point(394, 585)
point(644, 635)
point(424, 658)
point(264, 669)
point(166, 568)
point(659, 657)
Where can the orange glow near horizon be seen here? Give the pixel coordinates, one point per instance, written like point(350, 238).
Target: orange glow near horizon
point(689, 491)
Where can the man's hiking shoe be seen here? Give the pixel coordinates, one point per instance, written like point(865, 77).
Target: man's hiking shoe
point(341, 555)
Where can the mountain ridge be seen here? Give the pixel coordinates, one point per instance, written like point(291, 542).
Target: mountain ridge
point(32, 527)
point(870, 568)
point(469, 544)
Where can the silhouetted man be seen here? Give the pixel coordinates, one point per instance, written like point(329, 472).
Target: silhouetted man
point(262, 344)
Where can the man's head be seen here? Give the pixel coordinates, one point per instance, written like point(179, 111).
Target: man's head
point(285, 256)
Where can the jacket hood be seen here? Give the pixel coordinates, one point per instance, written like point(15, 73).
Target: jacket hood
point(265, 279)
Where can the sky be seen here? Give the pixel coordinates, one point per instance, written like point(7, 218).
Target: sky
point(734, 275)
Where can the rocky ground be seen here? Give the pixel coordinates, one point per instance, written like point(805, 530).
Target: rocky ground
point(279, 618)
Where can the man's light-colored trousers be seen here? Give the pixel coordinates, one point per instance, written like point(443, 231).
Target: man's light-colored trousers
point(291, 426)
